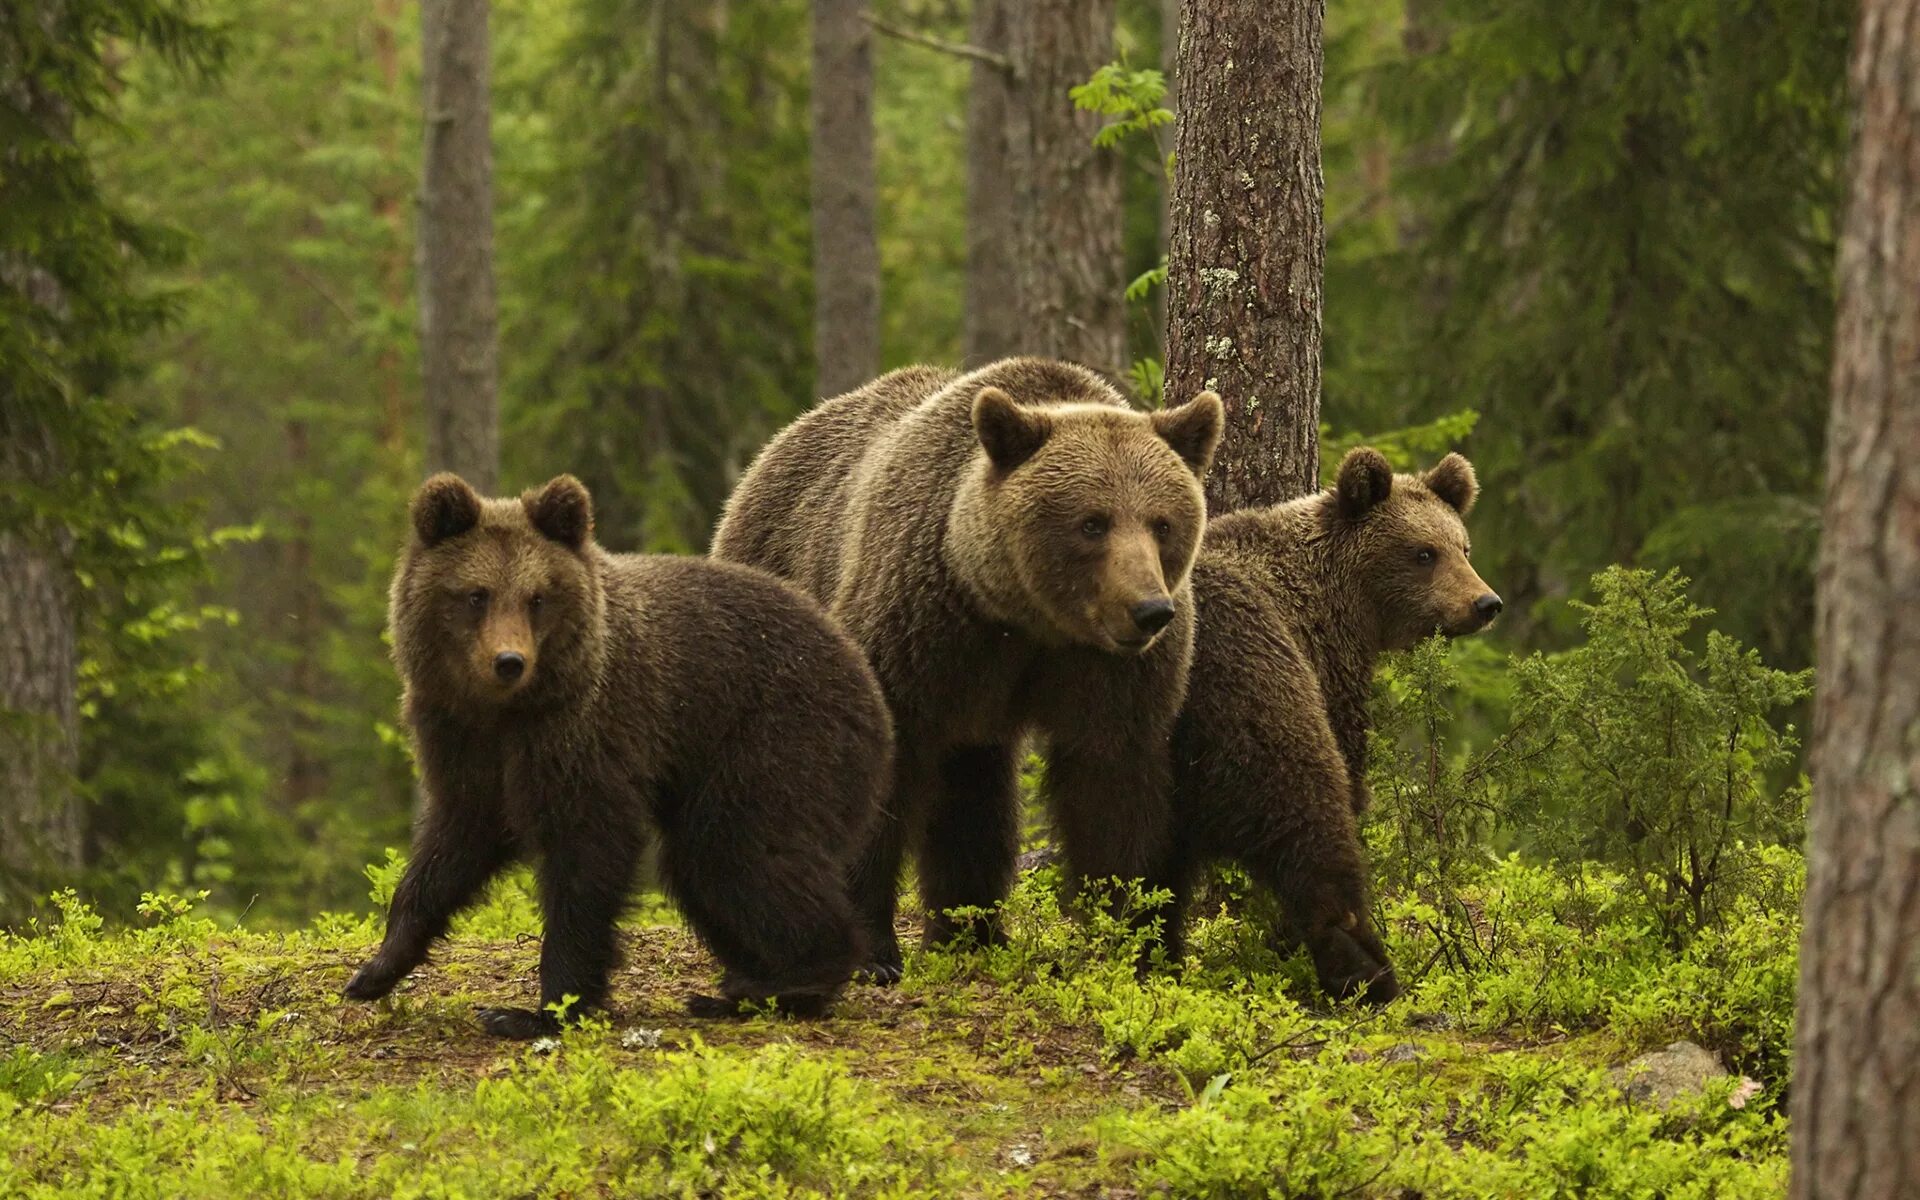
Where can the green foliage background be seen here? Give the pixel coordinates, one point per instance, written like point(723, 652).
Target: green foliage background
point(1588, 244)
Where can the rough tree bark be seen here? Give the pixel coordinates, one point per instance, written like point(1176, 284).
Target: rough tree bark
point(459, 339)
point(40, 816)
point(1856, 1088)
point(846, 254)
point(1069, 261)
point(992, 327)
point(1244, 276)
point(40, 825)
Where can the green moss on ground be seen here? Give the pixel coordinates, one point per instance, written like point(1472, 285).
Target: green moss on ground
point(185, 1060)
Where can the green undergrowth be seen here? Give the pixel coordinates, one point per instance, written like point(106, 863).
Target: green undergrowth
point(185, 1059)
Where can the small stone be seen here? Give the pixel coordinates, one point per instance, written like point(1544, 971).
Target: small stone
point(1664, 1076)
point(1405, 1052)
point(641, 1039)
point(1357, 1055)
point(1020, 1156)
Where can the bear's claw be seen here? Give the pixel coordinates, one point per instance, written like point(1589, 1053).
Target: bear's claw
point(518, 1024)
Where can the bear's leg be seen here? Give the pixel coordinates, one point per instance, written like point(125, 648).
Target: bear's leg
point(584, 884)
point(1111, 807)
point(1301, 842)
point(454, 855)
point(875, 883)
point(768, 899)
point(971, 845)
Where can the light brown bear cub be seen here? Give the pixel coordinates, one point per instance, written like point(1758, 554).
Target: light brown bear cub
point(564, 700)
point(1011, 548)
point(1297, 602)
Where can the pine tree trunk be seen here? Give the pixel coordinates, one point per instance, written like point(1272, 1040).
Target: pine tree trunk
point(1244, 277)
point(1069, 261)
point(846, 255)
point(40, 824)
point(458, 334)
point(1856, 1088)
point(994, 124)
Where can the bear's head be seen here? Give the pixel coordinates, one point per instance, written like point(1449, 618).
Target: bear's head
point(1080, 521)
point(1404, 547)
point(498, 602)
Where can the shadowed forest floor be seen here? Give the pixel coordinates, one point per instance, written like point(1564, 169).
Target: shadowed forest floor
point(182, 1060)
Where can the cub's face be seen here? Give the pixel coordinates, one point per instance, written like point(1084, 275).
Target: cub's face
point(1098, 511)
point(1408, 547)
point(494, 597)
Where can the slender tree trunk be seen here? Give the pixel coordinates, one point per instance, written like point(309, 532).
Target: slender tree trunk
point(846, 253)
point(1070, 267)
point(1170, 71)
point(1856, 1088)
point(1244, 279)
point(459, 337)
point(993, 127)
point(387, 207)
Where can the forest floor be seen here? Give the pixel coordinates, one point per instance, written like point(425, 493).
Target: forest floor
point(184, 1060)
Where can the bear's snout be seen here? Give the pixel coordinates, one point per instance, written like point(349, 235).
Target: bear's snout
point(1488, 607)
point(509, 666)
point(1152, 615)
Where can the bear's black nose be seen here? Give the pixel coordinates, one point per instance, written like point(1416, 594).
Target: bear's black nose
point(1488, 607)
point(1152, 615)
point(509, 666)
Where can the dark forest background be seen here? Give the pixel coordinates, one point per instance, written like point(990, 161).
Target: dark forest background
point(1590, 244)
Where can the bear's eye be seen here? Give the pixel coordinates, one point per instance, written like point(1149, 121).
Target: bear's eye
point(1426, 557)
point(1163, 529)
point(477, 598)
point(1095, 526)
point(535, 601)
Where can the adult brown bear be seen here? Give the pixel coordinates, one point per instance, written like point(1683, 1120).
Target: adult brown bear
point(1010, 547)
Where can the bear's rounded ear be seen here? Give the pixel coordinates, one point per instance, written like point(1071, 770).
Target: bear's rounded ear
point(561, 510)
point(1011, 434)
point(1365, 479)
point(1452, 479)
point(446, 506)
point(1193, 429)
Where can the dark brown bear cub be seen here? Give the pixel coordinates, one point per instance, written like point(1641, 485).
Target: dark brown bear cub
point(564, 700)
point(1297, 602)
point(1010, 547)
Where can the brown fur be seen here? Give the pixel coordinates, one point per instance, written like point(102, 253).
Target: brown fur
point(1297, 602)
point(988, 539)
point(708, 702)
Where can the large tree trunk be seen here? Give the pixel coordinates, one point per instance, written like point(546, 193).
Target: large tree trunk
point(1069, 260)
point(41, 831)
point(994, 126)
point(40, 820)
point(1856, 1088)
point(458, 323)
point(1244, 278)
point(846, 255)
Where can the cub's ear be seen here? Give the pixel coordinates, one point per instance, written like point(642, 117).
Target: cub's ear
point(1452, 479)
point(1011, 434)
point(1193, 429)
point(561, 510)
point(444, 507)
point(1365, 479)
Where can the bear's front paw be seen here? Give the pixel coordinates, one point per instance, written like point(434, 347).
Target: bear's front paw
point(518, 1024)
point(373, 980)
point(1353, 964)
point(882, 971)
